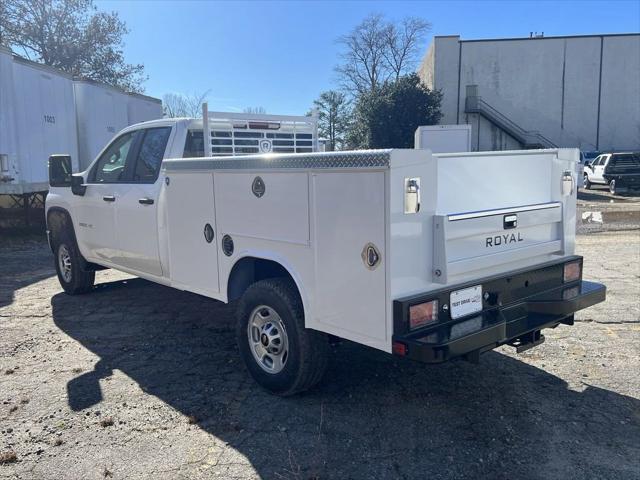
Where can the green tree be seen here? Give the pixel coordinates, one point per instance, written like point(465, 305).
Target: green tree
point(389, 116)
point(334, 114)
point(73, 36)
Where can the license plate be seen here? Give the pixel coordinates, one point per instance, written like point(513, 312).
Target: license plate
point(465, 302)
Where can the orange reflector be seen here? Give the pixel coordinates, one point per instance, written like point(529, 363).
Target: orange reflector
point(572, 271)
point(399, 348)
point(423, 314)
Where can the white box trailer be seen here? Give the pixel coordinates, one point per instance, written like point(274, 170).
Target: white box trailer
point(43, 111)
point(142, 108)
point(102, 111)
point(444, 138)
point(8, 132)
point(37, 118)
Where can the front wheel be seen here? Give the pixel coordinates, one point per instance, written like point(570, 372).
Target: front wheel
point(587, 183)
point(281, 354)
point(72, 277)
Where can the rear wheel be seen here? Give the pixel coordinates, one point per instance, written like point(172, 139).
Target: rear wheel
point(612, 187)
point(281, 354)
point(72, 277)
point(587, 183)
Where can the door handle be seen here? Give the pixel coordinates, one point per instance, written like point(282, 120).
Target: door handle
point(146, 201)
point(109, 198)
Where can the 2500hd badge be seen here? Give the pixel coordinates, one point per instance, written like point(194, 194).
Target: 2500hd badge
point(503, 239)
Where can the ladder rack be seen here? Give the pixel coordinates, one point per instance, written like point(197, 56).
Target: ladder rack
point(229, 134)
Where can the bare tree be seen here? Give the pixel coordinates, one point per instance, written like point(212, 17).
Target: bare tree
point(363, 66)
point(378, 50)
point(183, 105)
point(257, 110)
point(72, 36)
point(334, 114)
point(402, 42)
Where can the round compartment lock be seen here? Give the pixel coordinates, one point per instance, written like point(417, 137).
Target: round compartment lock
point(227, 245)
point(208, 233)
point(258, 187)
point(371, 256)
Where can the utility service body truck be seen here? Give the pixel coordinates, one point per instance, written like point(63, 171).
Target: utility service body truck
point(392, 248)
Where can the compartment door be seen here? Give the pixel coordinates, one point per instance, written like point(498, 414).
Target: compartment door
point(351, 294)
point(193, 252)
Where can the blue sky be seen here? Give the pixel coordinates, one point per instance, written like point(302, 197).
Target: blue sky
point(280, 55)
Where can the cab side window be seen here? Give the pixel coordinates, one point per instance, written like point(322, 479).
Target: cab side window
point(111, 166)
point(194, 144)
point(150, 154)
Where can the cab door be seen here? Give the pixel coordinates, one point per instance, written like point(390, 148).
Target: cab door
point(136, 213)
point(95, 212)
point(598, 171)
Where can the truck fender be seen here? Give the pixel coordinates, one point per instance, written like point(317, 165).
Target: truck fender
point(57, 219)
point(242, 284)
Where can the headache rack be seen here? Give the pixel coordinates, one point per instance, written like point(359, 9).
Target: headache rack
point(229, 134)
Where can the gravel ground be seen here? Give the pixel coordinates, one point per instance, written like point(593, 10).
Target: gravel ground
point(136, 380)
point(599, 211)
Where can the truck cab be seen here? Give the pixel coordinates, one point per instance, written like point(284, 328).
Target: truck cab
point(122, 184)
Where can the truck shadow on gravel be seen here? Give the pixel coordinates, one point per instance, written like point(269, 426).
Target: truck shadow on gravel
point(373, 416)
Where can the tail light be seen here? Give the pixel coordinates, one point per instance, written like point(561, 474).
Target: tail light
point(572, 271)
point(423, 314)
point(399, 348)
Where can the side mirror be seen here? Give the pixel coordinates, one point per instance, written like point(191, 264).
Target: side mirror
point(60, 171)
point(77, 185)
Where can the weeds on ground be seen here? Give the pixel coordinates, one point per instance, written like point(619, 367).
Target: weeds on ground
point(8, 457)
point(106, 422)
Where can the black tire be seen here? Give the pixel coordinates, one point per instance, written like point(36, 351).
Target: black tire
point(612, 187)
point(587, 183)
point(308, 350)
point(76, 280)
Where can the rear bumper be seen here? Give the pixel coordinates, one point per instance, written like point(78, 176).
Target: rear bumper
point(516, 323)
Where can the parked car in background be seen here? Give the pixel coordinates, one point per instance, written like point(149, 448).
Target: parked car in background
point(619, 171)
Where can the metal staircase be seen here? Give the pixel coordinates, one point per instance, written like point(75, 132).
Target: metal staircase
point(528, 138)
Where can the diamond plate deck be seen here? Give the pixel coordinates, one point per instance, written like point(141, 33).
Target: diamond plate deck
point(320, 160)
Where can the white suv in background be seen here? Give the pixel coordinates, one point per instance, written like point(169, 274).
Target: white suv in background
point(594, 170)
point(619, 171)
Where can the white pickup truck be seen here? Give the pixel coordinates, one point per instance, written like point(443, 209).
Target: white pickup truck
point(400, 250)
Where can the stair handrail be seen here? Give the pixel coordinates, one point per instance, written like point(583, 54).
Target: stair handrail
point(475, 104)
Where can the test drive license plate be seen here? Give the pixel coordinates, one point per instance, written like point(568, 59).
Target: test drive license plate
point(465, 302)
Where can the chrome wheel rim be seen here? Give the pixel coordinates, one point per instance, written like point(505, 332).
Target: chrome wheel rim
point(64, 261)
point(268, 339)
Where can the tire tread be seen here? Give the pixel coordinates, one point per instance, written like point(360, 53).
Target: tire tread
point(314, 345)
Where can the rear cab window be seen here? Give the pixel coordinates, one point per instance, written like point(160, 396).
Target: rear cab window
point(194, 144)
point(153, 144)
